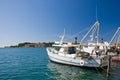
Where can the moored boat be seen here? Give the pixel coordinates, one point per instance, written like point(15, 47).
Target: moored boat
point(72, 54)
point(65, 56)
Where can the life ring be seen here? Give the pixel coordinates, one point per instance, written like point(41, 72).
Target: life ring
point(82, 62)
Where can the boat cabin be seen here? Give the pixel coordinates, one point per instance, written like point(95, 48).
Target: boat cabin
point(67, 49)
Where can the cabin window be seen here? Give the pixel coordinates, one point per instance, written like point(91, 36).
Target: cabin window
point(86, 46)
point(71, 50)
point(57, 48)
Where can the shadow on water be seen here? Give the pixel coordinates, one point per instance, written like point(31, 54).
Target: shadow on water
point(64, 72)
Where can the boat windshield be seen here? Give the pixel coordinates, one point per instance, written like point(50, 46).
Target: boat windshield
point(57, 48)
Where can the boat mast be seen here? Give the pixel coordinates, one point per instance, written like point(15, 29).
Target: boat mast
point(95, 31)
point(94, 28)
point(62, 37)
point(118, 40)
point(97, 36)
point(97, 26)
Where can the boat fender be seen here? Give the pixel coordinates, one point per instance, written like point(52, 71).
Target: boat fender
point(81, 62)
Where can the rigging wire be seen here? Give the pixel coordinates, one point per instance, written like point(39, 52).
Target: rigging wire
point(77, 34)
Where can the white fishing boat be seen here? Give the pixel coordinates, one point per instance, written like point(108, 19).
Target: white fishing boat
point(91, 55)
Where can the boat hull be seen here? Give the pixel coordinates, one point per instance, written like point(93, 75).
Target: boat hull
point(75, 61)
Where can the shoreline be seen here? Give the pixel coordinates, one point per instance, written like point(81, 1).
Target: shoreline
point(31, 45)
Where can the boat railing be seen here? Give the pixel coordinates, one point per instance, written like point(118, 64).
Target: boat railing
point(99, 57)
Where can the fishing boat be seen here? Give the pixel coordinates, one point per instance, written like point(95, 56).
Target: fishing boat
point(90, 55)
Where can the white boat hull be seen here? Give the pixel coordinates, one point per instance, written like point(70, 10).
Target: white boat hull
point(76, 61)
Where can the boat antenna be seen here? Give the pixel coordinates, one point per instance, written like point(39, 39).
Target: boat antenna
point(96, 14)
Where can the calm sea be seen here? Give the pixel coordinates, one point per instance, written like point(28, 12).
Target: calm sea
point(34, 64)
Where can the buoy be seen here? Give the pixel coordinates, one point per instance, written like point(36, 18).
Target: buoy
point(81, 62)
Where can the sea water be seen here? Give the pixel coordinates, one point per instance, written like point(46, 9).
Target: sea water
point(34, 64)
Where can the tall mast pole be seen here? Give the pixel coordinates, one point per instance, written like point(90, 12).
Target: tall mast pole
point(97, 26)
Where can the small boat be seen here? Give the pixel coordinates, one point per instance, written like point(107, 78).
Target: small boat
point(116, 58)
point(72, 54)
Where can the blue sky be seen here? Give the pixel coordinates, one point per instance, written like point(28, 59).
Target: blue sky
point(44, 20)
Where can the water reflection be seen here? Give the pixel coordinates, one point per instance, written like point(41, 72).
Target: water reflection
point(64, 72)
point(115, 71)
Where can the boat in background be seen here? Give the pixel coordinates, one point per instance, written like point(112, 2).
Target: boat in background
point(116, 58)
